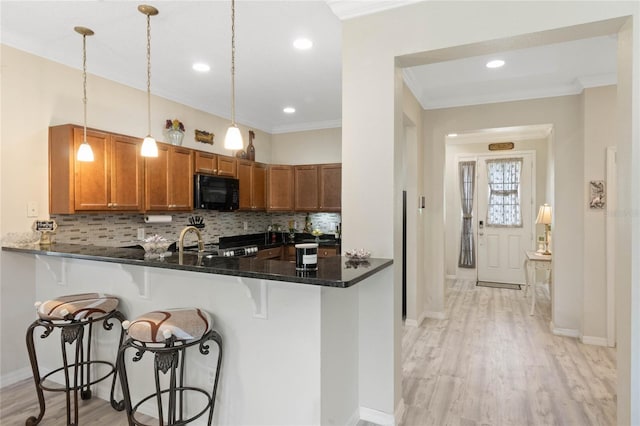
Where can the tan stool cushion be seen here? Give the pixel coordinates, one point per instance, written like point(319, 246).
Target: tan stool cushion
point(77, 306)
point(155, 327)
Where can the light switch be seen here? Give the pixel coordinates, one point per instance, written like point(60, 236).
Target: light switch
point(32, 209)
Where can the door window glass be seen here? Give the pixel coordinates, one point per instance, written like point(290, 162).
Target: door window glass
point(503, 207)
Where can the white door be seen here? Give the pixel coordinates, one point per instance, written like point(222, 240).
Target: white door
point(505, 224)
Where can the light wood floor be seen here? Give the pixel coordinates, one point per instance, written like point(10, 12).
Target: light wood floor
point(489, 363)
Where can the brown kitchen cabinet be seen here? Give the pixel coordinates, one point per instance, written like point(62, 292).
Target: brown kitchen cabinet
point(280, 188)
point(214, 164)
point(306, 188)
point(327, 251)
point(270, 253)
point(330, 187)
point(112, 182)
point(253, 185)
point(169, 179)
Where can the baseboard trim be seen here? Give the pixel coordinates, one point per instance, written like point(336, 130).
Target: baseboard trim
point(15, 377)
point(566, 332)
point(410, 323)
point(399, 414)
point(354, 419)
point(596, 341)
point(435, 315)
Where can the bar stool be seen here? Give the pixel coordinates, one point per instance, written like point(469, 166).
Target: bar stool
point(167, 335)
point(72, 314)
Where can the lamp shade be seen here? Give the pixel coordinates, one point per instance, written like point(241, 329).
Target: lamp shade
point(149, 147)
point(233, 138)
point(85, 153)
point(544, 214)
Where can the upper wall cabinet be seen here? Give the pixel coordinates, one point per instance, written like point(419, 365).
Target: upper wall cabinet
point(280, 188)
point(253, 185)
point(169, 179)
point(306, 188)
point(221, 165)
point(330, 187)
point(112, 182)
point(318, 187)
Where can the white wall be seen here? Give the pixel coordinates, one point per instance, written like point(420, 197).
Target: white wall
point(374, 44)
point(309, 147)
point(599, 128)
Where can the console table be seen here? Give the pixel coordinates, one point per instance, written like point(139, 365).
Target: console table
point(533, 261)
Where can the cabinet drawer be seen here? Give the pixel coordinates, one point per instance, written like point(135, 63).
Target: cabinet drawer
point(271, 253)
point(327, 251)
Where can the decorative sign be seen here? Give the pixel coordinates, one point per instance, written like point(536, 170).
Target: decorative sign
point(204, 137)
point(45, 225)
point(597, 194)
point(500, 146)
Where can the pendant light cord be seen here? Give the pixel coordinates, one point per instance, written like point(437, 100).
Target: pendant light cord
point(233, 62)
point(148, 74)
point(84, 84)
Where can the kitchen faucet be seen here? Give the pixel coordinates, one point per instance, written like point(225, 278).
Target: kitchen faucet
point(184, 232)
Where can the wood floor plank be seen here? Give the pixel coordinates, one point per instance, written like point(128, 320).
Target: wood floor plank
point(490, 363)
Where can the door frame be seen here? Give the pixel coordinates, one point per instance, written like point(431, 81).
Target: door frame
point(473, 273)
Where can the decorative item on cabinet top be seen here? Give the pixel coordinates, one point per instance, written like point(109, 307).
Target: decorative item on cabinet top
point(204, 136)
point(175, 131)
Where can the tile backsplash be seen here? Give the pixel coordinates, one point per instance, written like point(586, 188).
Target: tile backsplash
point(122, 229)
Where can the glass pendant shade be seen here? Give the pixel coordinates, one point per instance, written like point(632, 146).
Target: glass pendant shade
point(233, 138)
point(149, 147)
point(85, 153)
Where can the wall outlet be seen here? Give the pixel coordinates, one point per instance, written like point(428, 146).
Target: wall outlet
point(140, 234)
point(245, 225)
point(32, 209)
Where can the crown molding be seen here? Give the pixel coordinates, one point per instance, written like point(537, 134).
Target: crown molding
point(304, 127)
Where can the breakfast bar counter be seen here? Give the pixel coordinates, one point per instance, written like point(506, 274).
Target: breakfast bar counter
point(306, 349)
point(335, 271)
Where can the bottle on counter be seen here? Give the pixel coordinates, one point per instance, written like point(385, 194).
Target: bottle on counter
point(307, 224)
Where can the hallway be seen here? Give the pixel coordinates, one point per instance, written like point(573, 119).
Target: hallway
point(490, 363)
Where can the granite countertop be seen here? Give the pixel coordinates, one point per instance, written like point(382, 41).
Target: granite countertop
point(335, 271)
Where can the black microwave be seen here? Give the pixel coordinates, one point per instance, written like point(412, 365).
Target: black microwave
point(215, 192)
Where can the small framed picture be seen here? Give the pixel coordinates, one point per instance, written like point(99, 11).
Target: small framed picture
point(597, 194)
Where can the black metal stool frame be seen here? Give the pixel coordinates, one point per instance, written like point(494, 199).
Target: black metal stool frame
point(72, 330)
point(171, 356)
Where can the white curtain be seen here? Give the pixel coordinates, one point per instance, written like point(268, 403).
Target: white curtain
point(467, 172)
point(503, 209)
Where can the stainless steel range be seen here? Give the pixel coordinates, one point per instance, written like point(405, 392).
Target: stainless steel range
point(215, 250)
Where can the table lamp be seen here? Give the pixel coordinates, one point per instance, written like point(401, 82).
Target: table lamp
point(544, 217)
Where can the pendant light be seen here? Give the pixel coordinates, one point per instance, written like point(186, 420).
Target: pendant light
point(233, 138)
point(85, 153)
point(149, 146)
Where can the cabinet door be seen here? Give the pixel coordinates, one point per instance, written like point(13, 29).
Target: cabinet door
point(306, 188)
point(127, 168)
point(91, 179)
point(227, 166)
point(280, 188)
point(330, 187)
point(180, 179)
point(259, 187)
point(205, 162)
point(246, 182)
point(156, 181)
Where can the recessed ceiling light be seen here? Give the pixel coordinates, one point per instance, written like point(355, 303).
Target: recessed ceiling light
point(289, 110)
point(201, 67)
point(496, 63)
point(452, 135)
point(302, 43)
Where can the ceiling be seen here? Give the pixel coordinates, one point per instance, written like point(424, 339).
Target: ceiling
point(270, 73)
